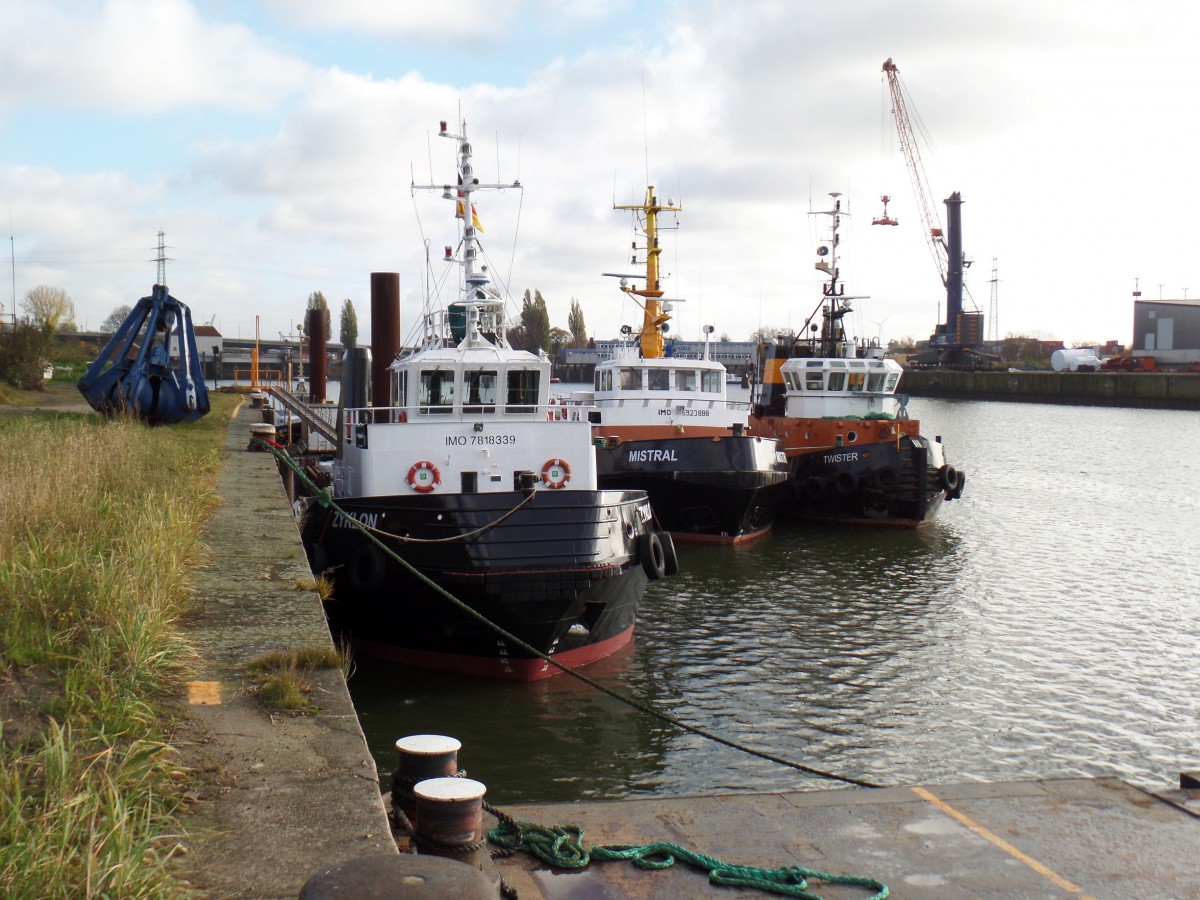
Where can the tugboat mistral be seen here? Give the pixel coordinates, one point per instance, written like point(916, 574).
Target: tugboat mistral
point(664, 424)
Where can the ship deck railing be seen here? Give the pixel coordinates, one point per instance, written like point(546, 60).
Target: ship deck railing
point(471, 412)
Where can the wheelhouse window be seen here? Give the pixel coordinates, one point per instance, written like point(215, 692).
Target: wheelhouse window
point(660, 379)
point(892, 379)
point(437, 391)
point(814, 379)
point(522, 395)
point(686, 380)
point(604, 379)
point(711, 381)
point(631, 379)
point(837, 381)
point(875, 382)
point(400, 388)
point(479, 389)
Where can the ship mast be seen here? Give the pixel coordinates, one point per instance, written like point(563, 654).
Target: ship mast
point(835, 303)
point(476, 291)
point(653, 317)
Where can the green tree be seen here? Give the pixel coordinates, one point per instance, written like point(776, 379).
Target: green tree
point(559, 338)
point(349, 333)
point(576, 325)
point(316, 300)
point(114, 320)
point(535, 322)
point(24, 351)
point(49, 309)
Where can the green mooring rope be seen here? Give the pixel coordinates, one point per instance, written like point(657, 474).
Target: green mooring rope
point(562, 846)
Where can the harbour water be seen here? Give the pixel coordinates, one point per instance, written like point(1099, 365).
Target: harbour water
point(1046, 625)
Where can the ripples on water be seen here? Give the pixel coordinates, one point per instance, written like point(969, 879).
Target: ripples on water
point(1045, 625)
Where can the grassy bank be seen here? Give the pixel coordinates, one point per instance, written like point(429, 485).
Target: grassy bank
point(99, 525)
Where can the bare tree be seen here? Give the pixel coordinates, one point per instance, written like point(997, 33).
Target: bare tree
point(114, 320)
point(766, 334)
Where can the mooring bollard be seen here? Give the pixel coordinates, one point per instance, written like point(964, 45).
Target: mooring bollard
point(450, 822)
point(267, 432)
point(420, 757)
point(395, 877)
point(449, 813)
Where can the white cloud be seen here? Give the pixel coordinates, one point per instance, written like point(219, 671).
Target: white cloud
point(137, 57)
point(1069, 138)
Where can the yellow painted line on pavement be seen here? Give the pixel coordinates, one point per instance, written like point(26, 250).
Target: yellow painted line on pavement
point(1004, 845)
point(204, 693)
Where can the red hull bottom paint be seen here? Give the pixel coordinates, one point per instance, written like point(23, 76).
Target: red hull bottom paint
point(691, 537)
point(503, 668)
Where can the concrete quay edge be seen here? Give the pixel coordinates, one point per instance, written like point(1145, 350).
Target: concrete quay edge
point(284, 796)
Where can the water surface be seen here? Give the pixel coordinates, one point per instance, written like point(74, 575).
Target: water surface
point(1045, 625)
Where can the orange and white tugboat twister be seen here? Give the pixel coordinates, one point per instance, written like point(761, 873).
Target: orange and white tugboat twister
point(855, 455)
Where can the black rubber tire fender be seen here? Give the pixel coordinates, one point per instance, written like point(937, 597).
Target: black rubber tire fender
point(949, 478)
point(366, 569)
point(652, 555)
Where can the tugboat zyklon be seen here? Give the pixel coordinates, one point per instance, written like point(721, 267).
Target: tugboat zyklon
point(472, 535)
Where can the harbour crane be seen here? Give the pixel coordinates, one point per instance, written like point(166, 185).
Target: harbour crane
point(916, 168)
point(957, 341)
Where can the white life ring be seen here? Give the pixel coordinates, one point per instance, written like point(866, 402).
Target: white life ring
point(424, 477)
point(556, 473)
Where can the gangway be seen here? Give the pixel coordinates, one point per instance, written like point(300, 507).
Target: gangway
point(307, 414)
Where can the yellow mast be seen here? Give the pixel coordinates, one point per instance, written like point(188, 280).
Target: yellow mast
point(653, 316)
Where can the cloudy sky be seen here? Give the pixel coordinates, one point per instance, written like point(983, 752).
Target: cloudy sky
point(276, 143)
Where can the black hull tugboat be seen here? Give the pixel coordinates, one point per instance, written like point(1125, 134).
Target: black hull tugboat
point(663, 423)
point(496, 540)
point(855, 455)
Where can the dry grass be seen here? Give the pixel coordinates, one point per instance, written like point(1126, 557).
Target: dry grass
point(99, 525)
point(280, 676)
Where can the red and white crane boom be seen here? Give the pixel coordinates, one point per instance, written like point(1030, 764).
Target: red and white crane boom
point(916, 169)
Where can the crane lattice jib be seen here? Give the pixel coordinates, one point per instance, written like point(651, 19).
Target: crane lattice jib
point(912, 156)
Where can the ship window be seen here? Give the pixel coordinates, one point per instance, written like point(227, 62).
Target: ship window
point(685, 379)
point(891, 382)
point(857, 380)
point(522, 390)
point(837, 381)
point(875, 382)
point(437, 391)
point(660, 379)
point(631, 379)
point(400, 386)
point(814, 379)
point(480, 390)
point(712, 382)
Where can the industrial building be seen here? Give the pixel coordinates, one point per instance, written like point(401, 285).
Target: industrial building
point(1168, 331)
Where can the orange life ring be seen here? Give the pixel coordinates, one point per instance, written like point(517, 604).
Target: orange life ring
point(424, 477)
point(556, 473)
